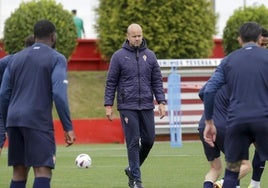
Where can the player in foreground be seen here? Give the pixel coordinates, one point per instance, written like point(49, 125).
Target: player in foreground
point(136, 77)
point(213, 153)
point(257, 164)
point(29, 41)
point(35, 78)
point(244, 71)
point(220, 113)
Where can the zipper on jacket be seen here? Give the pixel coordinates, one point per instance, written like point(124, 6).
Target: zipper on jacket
point(139, 80)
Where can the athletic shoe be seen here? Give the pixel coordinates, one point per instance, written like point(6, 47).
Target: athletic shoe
point(218, 184)
point(130, 179)
point(137, 184)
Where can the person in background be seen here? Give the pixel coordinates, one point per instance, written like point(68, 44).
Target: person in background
point(264, 41)
point(135, 75)
point(33, 79)
point(29, 41)
point(244, 71)
point(79, 24)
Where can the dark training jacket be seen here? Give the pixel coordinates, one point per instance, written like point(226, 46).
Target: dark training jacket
point(136, 77)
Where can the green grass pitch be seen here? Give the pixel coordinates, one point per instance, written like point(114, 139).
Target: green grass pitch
point(165, 167)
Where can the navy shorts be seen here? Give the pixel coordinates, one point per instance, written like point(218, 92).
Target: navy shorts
point(213, 152)
point(31, 147)
point(239, 137)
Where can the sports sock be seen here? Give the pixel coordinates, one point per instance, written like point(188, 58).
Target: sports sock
point(258, 167)
point(255, 183)
point(41, 182)
point(238, 183)
point(230, 179)
point(18, 184)
point(208, 184)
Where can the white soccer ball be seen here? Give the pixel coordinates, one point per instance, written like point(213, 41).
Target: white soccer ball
point(83, 161)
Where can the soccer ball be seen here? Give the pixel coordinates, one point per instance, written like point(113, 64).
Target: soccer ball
point(83, 161)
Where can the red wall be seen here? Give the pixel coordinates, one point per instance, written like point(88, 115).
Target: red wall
point(86, 57)
point(2, 52)
point(218, 51)
point(93, 131)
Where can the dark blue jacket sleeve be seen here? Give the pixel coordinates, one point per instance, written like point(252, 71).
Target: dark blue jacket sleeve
point(2, 132)
point(5, 93)
point(60, 85)
point(112, 81)
point(201, 92)
point(157, 83)
point(3, 64)
point(211, 88)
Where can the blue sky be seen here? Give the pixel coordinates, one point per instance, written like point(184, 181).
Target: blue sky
point(224, 8)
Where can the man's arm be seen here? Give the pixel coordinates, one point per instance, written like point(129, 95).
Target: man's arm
point(208, 93)
point(59, 90)
point(5, 94)
point(216, 81)
point(110, 87)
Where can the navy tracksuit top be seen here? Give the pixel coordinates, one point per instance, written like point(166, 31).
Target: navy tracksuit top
point(245, 71)
point(221, 104)
point(35, 78)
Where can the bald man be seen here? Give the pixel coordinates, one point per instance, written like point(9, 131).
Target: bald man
point(135, 76)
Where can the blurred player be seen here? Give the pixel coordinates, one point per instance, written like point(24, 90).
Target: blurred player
point(213, 153)
point(257, 164)
point(29, 41)
point(220, 109)
point(244, 71)
point(34, 79)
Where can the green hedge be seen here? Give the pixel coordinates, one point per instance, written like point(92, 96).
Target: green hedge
point(173, 28)
point(20, 24)
point(258, 14)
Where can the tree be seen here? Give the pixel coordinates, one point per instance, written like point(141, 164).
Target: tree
point(172, 29)
point(20, 24)
point(257, 14)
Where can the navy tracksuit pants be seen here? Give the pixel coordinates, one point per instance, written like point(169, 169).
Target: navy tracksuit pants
point(139, 131)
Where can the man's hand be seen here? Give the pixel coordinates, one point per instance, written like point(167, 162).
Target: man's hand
point(109, 112)
point(210, 132)
point(69, 137)
point(162, 110)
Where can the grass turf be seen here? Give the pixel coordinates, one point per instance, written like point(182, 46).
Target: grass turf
point(165, 167)
point(86, 95)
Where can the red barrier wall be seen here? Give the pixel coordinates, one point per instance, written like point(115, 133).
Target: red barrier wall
point(92, 131)
point(2, 51)
point(218, 51)
point(87, 58)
